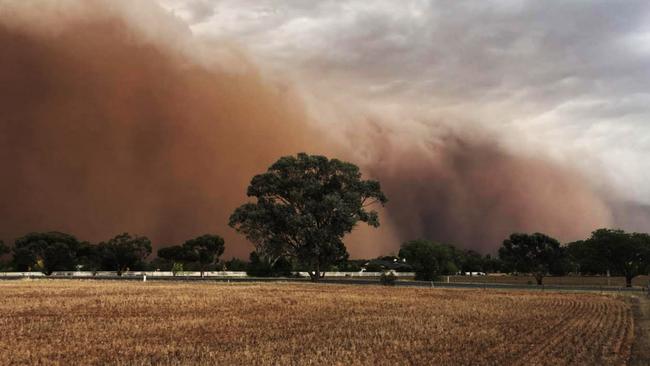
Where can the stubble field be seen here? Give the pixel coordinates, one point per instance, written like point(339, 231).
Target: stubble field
point(595, 281)
point(93, 322)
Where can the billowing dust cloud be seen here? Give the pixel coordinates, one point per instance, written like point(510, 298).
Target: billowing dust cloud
point(474, 193)
point(103, 130)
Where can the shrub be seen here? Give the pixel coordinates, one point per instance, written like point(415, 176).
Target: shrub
point(388, 278)
point(262, 267)
point(236, 264)
point(374, 267)
point(177, 268)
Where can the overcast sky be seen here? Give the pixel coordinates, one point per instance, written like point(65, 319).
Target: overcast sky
point(567, 79)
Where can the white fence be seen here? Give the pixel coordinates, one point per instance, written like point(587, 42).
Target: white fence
point(216, 274)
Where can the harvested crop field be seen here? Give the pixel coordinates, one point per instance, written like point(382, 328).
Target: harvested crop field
point(95, 322)
point(638, 281)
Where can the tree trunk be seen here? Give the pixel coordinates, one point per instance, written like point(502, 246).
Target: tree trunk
point(316, 275)
point(628, 280)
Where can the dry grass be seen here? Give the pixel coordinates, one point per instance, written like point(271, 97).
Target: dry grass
point(77, 322)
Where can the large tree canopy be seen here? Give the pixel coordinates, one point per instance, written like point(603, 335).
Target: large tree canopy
point(536, 253)
point(124, 252)
point(626, 254)
point(47, 252)
point(428, 259)
point(204, 250)
point(305, 205)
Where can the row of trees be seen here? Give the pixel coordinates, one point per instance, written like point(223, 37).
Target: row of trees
point(303, 207)
point(55, 251)
point(300, 210)
point(605, 252)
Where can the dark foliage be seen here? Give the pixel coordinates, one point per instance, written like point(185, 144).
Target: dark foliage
point(613, 251)
point(124, 252)
point(536, 253)
point(303, 207)
point(428, 259)
point(263, 267)
point(46, 252)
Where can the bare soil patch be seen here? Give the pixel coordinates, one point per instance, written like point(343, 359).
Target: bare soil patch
point(641, 346)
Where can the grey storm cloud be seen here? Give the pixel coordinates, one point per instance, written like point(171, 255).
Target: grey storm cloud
point(571, 78)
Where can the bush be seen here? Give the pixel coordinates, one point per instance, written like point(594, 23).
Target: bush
point(177, 268)
point(374, 267)
point(388, 278)
point(236, 264)
point(261, 267)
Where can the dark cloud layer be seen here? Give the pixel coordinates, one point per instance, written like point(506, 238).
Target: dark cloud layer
point(563, 78)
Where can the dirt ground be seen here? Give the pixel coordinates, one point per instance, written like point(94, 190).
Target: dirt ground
point(641, 345)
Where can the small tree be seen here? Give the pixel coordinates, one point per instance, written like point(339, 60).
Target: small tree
point(428, 259)
point(535, 253)
point(177, 268)
point(303, 207)
point(236, 264)
point(173, 255)
point(492, 264)
point(124, 252)
point(471, 261)
point(88, 257)
point(204, 249)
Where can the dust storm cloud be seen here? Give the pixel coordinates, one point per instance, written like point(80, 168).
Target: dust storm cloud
point(104, 130)
point(460, 190)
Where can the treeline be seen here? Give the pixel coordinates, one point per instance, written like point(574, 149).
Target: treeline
point(299, 211)
point(605, 252)
point(55, 251)
point(49, 252)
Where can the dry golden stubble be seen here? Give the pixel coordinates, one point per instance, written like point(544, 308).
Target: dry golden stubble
point(92, 322)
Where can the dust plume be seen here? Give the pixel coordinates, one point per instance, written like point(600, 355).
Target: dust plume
point(104, 131)
point(109, 122)
point(459, 190)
